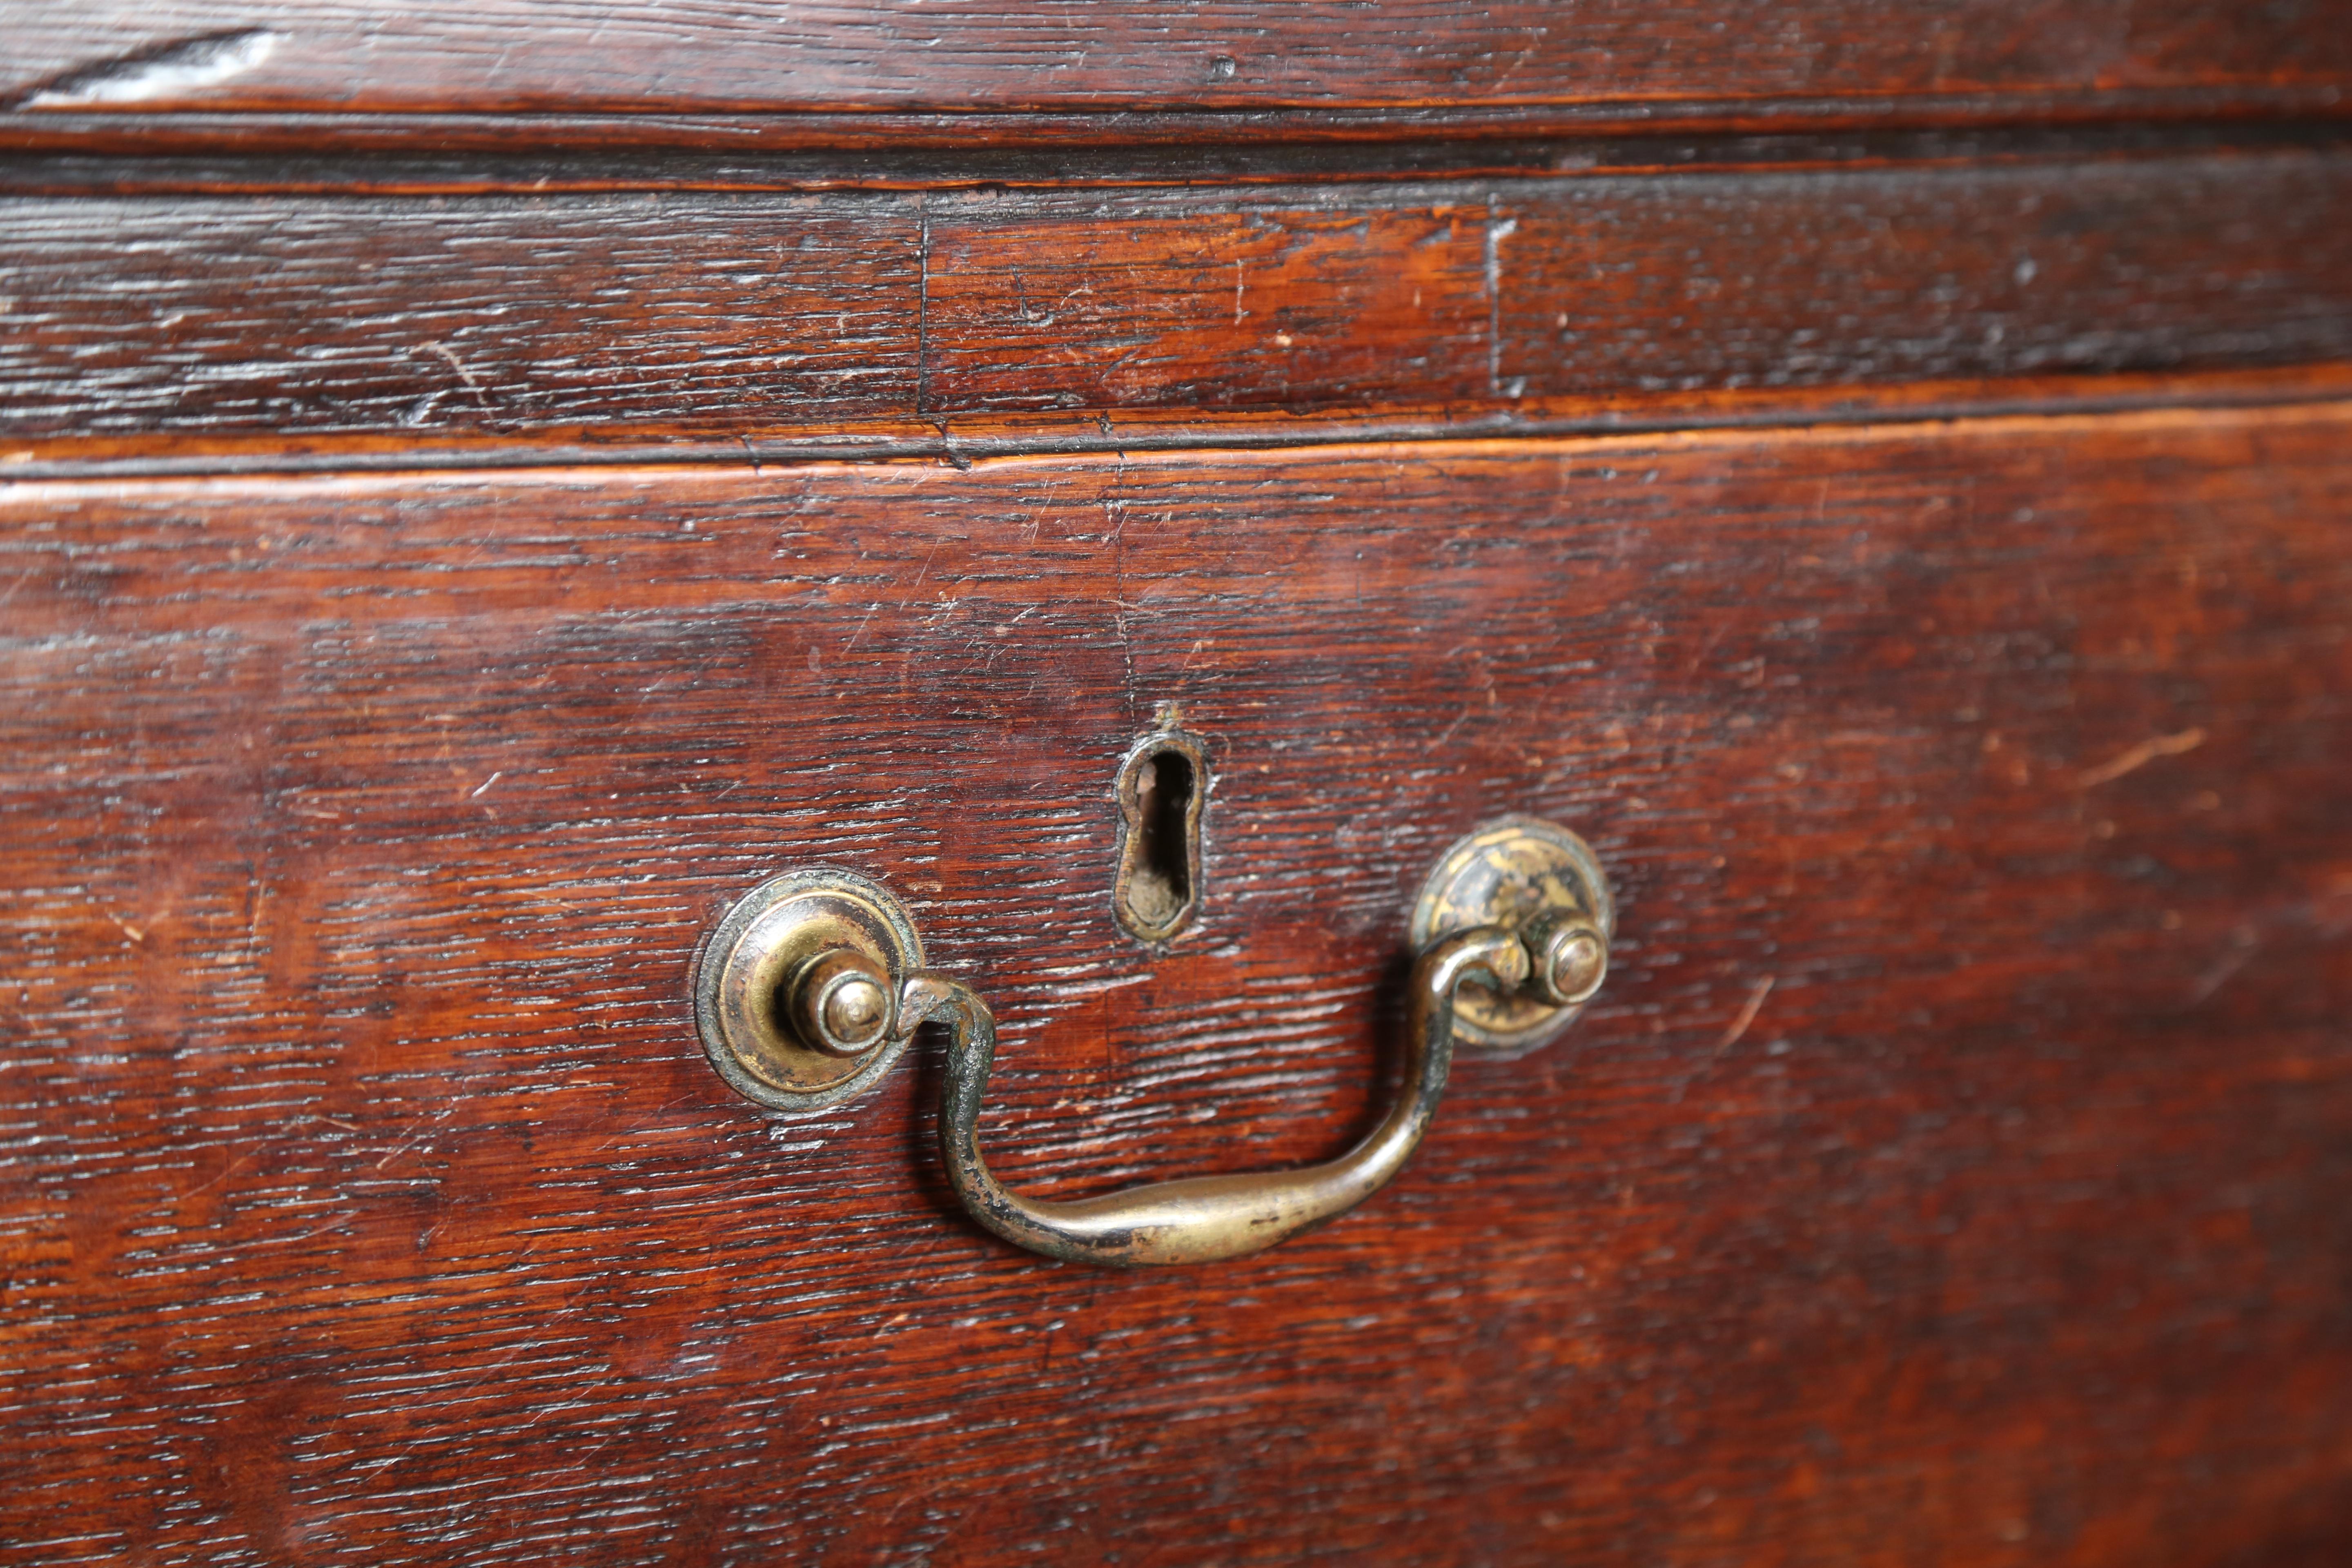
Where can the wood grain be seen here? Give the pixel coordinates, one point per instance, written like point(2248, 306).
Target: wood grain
point(1912, 274)
point(510, 55)
point(1950, 1173)
point(1146, 299)
point(291, 315)
point(712, 316)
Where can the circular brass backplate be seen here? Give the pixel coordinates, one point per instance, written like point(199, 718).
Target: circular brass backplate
point(1505, 874)
point(753, 955)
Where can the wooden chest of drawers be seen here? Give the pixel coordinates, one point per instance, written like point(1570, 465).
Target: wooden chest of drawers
point(483, 489)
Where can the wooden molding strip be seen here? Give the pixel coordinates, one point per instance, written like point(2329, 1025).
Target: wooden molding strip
point(221, 329)
point(443, 57)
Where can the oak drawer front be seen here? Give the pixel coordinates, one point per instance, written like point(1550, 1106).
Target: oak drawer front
point(1969, 1101)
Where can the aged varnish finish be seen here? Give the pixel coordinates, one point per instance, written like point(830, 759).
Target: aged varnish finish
point(484, 488)
point(1959, 1140)
point(2089, 56)
point(241, 324)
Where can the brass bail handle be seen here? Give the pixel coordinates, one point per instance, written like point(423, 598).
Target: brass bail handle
point(1513, 931)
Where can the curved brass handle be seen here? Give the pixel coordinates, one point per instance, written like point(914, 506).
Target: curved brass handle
point(1202, 1219)
point(798, 1007)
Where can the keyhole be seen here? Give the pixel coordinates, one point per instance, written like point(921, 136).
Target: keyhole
point(1159, 794)
point(1162, 884)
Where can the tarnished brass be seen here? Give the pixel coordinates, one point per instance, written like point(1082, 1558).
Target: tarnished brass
point(1534, 877)
point(794, 992)
point(811, 985)
point(839, 1004)
point(1162, 785)
point(1204, 1219)
point(1570, 953)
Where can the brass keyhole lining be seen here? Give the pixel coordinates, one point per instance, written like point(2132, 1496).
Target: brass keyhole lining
point(1162, 789)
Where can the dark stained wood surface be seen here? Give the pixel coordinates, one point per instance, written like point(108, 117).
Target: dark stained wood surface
point(712, 316)
point(483, 155)
point(959, 440)
point(507, 55)
point(1952, 1171)
point(118, 135)
point(292, 314)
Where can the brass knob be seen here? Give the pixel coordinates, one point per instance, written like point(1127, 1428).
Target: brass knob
point(841, 1004)
point(1571, 955)
point(1545, 883)
point(795, 992)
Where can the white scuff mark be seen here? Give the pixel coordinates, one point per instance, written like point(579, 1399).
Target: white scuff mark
point(2244, 942)
point(483, 788)
point(1732, 1037)
point(1535, 42)
point(418, 1129)
point(1754, 1004)
point(166, 73)
point(472, 383)
point(2138, 757)
point(1497, 232)
point(294, 807)
point(1097, 988)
